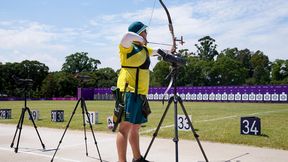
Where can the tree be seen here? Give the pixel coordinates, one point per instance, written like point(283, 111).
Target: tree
point(207, 48)
point(197, 71)
point(49, 86)
point(59, 84)
point(80, 62)
point(232, 53)
point(34, 70)
point(261, 69)
point(2, 80)
point(66, 84)
point(105, 77)
point(227, 70)
point(279, 72)
point(185, 53)
point(25, 70)
point(8, 85)
point(160, 71)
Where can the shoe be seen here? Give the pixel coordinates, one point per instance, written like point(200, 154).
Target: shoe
point(141, 159)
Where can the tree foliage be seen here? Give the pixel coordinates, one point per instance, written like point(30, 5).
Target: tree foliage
point(279, 72)
point(80, 62)
point(63, 84)
point(160, 71)
point(207, 67)
point(105, 77)
point(59, 84)
point(206, 49)
point(227, 70)
point(24, 70)
point(261, 68)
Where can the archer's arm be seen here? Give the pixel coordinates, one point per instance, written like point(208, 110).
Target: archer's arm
point(131, 37)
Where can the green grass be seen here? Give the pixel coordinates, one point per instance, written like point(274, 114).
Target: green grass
point(217, 122)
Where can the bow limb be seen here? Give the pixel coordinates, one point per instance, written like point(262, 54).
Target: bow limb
point(174, 46)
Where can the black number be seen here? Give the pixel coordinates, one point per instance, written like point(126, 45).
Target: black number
point(2, 114)
point(246, 127)
point(60, 116)
point(91, 117)
point(187, 125)
point(53, 116)
point(180, 122)
point(34, 115)
point(250, 125)
point(88, 117)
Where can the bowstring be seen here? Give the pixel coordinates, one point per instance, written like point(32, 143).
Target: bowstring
point(152, 13)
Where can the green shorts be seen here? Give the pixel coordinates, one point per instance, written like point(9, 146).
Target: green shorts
point(133, 108)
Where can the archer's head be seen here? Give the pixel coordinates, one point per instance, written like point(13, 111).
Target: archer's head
point(138, 28)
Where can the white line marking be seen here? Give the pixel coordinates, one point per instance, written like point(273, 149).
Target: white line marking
point(153, 129)
point(267, 112)
point(36, 154)
point(215, 119)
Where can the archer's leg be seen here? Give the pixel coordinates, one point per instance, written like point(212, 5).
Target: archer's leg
point(134, 141)
point(121, 140)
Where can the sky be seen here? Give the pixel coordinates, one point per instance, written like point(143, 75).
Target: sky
point(50, 30)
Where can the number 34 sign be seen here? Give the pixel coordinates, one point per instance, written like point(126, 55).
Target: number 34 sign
point(250, 125)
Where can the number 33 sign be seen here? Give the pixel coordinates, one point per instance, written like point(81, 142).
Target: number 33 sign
point(250, 125)
point(183, 123)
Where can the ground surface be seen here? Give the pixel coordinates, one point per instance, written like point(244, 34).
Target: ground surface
point(72, 148)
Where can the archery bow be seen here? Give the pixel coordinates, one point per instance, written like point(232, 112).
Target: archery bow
point(174, 39)
point(173, 51)
point(174, 45)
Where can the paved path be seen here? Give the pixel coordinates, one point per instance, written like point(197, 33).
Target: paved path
point(72, 148)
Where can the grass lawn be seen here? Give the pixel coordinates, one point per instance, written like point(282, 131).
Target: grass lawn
point(217, 122)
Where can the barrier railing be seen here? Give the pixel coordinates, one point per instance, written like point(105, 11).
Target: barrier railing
point(261, 93)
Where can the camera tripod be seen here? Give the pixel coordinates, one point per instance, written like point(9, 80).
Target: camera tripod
point(84, 111)
point(26, 83)
point(175, 98)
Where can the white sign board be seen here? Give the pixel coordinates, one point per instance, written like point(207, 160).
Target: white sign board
point(35, 115)
point(93, 117)
point(110, 123)
point(183, 123)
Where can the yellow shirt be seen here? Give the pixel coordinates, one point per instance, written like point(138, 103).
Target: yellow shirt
point(134, 56)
